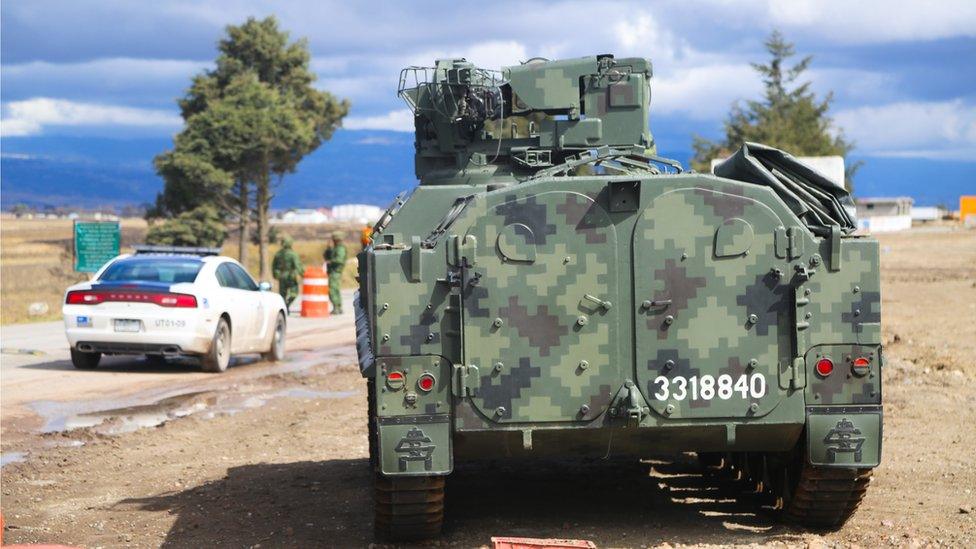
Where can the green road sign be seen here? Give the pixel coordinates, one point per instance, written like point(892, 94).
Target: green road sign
point(96, 242)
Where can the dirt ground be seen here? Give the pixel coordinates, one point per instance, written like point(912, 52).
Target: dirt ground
point(290, 469)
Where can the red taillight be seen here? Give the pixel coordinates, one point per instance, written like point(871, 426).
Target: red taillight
point(81, 297)
point(175, 300)
point(860, 366)
point(395, 380)
point(824, 367)
point(94, 297)
point(426, 382)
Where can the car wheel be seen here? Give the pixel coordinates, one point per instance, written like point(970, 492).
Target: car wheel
point(217, 359)
point(85, 361)
point(277, 350)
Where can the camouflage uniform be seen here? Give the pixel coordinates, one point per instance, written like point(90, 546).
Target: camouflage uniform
point(287, 268)
point(335, 257)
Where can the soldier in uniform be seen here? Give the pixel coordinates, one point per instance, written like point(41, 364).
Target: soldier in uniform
point(335, 257)
point(287, 268)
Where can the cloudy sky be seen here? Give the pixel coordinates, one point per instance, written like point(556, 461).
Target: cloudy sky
point(903, 73)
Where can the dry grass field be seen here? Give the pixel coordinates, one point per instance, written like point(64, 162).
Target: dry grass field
point(36, 259)
point(36, 264)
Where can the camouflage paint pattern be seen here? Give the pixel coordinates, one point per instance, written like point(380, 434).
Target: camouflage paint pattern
point(562, 305)
point(708, 255)
point(542, 355)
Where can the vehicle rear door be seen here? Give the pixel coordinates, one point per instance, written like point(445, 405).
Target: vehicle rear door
point(540, 325)
point(712, 302)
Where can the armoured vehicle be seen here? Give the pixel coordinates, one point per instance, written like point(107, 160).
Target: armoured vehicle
point(554, 288)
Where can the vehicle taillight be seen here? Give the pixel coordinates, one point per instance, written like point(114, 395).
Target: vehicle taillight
point(395, 380)
point(94, 297)
point(82, 297)
point(860, 366)
point(426, 382)
point(175, 300)
point(824, 367)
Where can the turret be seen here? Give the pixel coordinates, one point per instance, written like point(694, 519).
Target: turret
point(475, 124)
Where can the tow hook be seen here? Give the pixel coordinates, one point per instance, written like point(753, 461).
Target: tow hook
point(628, 403)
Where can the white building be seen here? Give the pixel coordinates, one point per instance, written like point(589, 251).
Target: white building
point(927, 213)
point(358, 213)
point(884, 215)
point(303, 216)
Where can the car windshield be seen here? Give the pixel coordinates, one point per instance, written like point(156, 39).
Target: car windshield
point(152, 269)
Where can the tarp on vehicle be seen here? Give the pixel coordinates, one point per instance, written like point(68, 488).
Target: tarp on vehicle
point(814, 198)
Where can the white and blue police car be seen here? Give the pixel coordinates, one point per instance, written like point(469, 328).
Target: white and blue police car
point(165, 301)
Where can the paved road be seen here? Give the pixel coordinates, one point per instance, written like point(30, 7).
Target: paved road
point(35, 366)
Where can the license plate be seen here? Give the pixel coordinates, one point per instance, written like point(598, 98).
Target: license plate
point(127, 325)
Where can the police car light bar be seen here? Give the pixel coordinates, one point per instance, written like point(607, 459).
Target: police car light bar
point(144, 249)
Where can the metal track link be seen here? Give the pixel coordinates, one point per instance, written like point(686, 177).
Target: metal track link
point(789, 487)
point(410, 508)
point(826, 498)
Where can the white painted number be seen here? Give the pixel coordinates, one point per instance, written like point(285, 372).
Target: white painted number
point(663, 395)
point(704, 387)
point(725, 386)
point(742, 385)
point(707, 387)
point(680, 383)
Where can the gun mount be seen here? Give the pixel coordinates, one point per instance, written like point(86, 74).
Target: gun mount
point(477, 124)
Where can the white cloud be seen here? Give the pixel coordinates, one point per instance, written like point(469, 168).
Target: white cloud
point(642, 35)
point(875, 21)
point(703, 93)
point(400, 120)
point(12, 127)
point(945, 129)
point(854, 86)
point(492, 54)
point(113, 68)
point(31, 116)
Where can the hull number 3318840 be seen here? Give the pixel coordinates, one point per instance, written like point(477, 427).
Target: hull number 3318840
point(709, 387)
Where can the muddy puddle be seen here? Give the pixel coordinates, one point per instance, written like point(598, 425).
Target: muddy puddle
point(7, 458)
point(245, 389)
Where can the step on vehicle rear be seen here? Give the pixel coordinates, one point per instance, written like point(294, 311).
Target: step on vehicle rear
point(553, 288)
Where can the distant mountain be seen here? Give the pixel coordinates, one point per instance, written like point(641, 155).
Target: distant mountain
point(355, 166)
point(368, 167)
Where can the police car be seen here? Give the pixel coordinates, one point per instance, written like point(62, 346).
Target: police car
point(166, 301)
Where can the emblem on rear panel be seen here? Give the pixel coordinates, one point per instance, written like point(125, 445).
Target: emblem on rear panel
point(844, 438)
point(415, 446)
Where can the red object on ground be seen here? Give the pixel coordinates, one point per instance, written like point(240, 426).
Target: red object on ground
point(315, 292)
point(35, 546)
point(535, 543)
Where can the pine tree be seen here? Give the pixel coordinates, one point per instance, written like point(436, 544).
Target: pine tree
point(249, 122)
point(789, 116)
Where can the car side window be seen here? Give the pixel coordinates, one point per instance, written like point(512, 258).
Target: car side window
point(244, 280)
point(225, 277)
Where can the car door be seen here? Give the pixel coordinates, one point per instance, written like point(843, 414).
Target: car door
point(239, 304)
point(257, 308)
